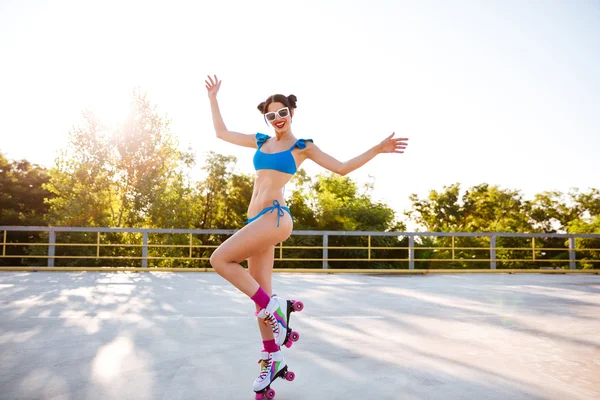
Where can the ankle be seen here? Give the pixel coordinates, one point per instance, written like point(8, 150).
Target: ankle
point(261, 298)
point(270, 346)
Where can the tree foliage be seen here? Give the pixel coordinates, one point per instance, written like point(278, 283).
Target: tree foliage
point(485, 208)
point(22, 202)
point(116, 176)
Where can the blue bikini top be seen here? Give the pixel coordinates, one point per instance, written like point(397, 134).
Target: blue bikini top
point(282, 161)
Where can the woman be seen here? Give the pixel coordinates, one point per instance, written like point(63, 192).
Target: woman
point(276, 160)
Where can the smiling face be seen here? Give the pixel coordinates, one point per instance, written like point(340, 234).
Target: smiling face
point(280, 124)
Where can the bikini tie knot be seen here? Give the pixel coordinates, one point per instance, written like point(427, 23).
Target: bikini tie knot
point(280, 213)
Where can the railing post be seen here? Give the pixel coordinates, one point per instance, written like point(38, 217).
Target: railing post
point(492, 252)
point(369, 247)
point(280, 251)
point(325, 250)
point(4, 245)
point(411, 252)
point(572, 264)
point(145, 250)
point(51, 247)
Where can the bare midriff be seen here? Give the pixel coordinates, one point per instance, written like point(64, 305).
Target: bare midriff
point(268, 186)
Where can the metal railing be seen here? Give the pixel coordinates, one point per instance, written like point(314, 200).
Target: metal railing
point(412, 246)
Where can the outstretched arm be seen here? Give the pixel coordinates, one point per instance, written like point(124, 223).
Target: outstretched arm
point(388, 145)
point(241, 139)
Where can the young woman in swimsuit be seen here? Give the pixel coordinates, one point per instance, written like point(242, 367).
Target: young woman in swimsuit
point(276, 160)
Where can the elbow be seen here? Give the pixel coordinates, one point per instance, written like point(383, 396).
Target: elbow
point(220, 133)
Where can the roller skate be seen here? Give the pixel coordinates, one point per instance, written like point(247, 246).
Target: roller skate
point(277, 315)
point(272, 366)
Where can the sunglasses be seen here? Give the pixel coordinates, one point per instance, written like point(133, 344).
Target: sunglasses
point(282, 113)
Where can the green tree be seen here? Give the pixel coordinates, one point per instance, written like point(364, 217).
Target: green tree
point(587, 258)
point(587, 206)
point(482, 208)
point(147, 163)
point(22, 202)
point(82, 179)
point(113, 177)
point(213, 190)
point(123, 176)
point(333, 202)
point(22, 193)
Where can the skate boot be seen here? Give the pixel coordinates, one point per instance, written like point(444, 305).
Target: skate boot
point(272, 366)
point(277, 316)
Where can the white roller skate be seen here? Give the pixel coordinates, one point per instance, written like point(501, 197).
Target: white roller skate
point(272, 366)
point(277, 316)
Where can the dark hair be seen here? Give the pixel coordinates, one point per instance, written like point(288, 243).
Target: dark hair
point(288, 101)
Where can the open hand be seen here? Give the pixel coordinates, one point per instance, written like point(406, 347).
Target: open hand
point(212, 86)
point(393, 145)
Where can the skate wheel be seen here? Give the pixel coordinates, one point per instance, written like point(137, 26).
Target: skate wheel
point(259, 396)
point(294, 336)
point(288, 344)
point(270, 394)
point(290, 376)
point(298, 305)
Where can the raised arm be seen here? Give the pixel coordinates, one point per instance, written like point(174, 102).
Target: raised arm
point(388, 145)
point(241, 139)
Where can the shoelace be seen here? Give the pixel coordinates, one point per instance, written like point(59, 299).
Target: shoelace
point(269, 318)
point(265, 367)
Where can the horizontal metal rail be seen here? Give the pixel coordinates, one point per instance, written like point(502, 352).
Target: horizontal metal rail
point(455, 253)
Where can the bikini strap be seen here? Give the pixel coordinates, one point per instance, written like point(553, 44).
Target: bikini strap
point(301, 144)
point(261, 138)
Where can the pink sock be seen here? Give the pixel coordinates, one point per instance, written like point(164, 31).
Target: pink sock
point(270, 346)
point(261, 298)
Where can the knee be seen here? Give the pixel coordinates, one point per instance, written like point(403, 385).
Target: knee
point(216, 261)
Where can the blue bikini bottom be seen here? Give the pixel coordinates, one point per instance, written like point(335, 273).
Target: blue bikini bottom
point(275, 206)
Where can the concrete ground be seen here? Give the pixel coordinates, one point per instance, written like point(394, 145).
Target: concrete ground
point(167, 336)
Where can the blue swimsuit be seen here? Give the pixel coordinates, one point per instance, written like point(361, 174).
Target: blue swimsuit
point(282, 161)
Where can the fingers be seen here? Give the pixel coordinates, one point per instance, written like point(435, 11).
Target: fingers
point(210, 83)
point(394, 145)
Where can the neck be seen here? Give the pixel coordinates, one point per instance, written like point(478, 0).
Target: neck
point(284, 134)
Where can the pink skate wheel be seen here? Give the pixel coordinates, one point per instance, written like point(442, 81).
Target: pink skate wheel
point(258, 396)
point(290, 376)
point(294, 336)
point(270, 394)
point(288, 344)
point(298, 305)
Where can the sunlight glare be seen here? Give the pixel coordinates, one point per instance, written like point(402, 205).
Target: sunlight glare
point(111, 106)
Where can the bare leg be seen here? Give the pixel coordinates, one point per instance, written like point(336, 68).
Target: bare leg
point(260, 267)
point(252, 239)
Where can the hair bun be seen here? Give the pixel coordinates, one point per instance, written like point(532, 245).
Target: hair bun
point(261, 107)
point(292, 99)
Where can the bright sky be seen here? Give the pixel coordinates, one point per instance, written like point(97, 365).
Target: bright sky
point(503, 92)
